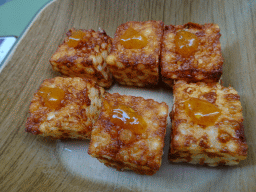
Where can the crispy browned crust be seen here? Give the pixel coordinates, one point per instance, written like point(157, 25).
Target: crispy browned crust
point(79, 109)
point(87, 59)
point(142, 153)
point(205, 65)
point(148, 55)
point(120, 166)
point(127, 64)
point(221, 144)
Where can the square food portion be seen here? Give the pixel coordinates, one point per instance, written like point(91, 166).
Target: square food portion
point(207, 125)
point(65, 108)
point(129, 133)
point(135, 53)
point(83, 54)
point(191, 52)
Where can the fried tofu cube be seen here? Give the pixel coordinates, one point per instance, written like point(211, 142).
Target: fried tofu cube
point(129, 134)
point(135, 53)
point(207, 125)
point(65, 108)
point(83, 54)
point(191, 52)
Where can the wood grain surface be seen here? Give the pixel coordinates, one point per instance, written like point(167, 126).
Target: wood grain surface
point(30, 163)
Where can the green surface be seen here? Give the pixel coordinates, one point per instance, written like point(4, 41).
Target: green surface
point(16, 15)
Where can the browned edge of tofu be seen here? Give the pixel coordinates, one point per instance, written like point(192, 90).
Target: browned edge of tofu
point(78, 112)
point(230, 128)
point(137, 67)
point(87, 59)
point(205, 65)
point(121, 148)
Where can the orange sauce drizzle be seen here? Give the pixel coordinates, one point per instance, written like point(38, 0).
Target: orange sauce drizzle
point(52, 97)
point(202, 112)
point(127, 118)
point(75, 38)
point(132, 39)
point(186, 43)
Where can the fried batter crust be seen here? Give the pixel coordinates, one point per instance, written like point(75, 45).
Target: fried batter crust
point(205, 65)
point(137, 67)
point(221, 144)
point(141, 153)
point(87, 59)
point(79, 109)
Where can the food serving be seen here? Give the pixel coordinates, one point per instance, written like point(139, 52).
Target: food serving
point(128, 132)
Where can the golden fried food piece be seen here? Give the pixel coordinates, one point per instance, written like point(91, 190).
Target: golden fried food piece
point(65, 108)
point(135, 53)
point(191, 52)
point(83, 54)
point(129, 133)
point(207, 125)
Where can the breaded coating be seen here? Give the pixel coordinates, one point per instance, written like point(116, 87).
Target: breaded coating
point(205, 64)
point(78, 106)
point(83, 54)
point(136, 148)
point(209, 142)
point(137, 66)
